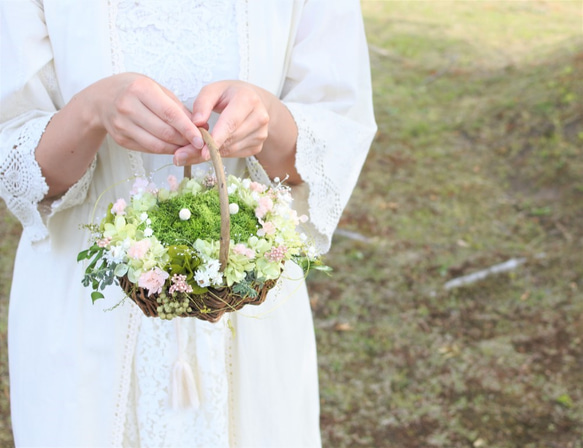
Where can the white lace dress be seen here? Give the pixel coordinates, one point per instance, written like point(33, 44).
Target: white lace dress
point(83, 376)
point(158, 40)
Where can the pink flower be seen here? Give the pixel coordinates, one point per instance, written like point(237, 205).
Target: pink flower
point(209, 181)
point(265, 205)
point(139, 249)
point(119, 207)
point(276, 254)
point(179, 284)
point(172, 183)
point(256, 186)
point(241, 249)
point(268, 229)
point(153, 280)
point(104, 242)
point(141, 185)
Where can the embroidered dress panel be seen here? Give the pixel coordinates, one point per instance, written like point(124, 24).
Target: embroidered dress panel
point(183, 45)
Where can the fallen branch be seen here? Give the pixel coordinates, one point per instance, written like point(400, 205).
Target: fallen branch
point(509, 265)
point(451, 61)
point(352, 235)
point(384, 53)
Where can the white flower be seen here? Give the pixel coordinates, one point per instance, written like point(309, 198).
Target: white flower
point(148, 232)
point(114, 255)
point(184, 214)
point(312, 252)
point(208, 274)
point(233, 208)
point(143, 216)
point(232, 188)
point(202, 278)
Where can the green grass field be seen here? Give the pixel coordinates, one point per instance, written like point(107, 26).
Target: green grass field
point(478, 161)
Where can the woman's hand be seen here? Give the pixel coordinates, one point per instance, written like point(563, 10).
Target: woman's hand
point(243, 123)
point(142, 115)
point(137, 112)
point(252, 122)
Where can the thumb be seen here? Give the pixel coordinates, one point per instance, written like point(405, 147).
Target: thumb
point(207, 101)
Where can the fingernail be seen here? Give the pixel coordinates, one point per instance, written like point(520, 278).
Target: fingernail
point(198, 143)
point(179, 159)
point(196, 117)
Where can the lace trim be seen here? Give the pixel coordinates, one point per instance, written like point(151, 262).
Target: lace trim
point(243, 33)
point(179, 43)
point(324, 199)
point(256, 171)
point(22, 184)
point(48, 77)
point(157, 423)
point(77, 193)
point(142, 413)
point(121, 403)
point(134, 317)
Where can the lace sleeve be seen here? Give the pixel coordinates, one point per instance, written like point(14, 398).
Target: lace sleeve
point(328, 92)
point(30, 96)
point(77, 193)
point(329, 162)
point(23, 187)
point(22, 184)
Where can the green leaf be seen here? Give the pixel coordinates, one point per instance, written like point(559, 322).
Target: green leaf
point(120, 270)
point(96, 295)
point(82, 255)
point(565, 400)
point(322, 268)
point(196, 289)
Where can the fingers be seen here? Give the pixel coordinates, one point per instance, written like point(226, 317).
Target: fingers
point(243, 122)
point(188, 155)
point(166, 107)
point(208, 100)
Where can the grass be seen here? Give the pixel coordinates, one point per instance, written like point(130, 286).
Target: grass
point(9, 234)
point(478, 160)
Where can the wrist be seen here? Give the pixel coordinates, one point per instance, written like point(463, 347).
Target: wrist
point(88, 104)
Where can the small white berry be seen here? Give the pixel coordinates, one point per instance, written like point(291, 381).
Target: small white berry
point(233, 208)
point(184, 214)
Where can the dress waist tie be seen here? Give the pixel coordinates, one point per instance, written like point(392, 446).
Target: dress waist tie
point(184, 391)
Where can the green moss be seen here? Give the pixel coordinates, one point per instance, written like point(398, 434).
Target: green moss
point(205, 221)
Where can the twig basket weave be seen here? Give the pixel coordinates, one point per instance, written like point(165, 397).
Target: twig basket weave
point(213, 304)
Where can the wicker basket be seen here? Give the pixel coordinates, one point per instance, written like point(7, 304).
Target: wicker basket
point(213, 304)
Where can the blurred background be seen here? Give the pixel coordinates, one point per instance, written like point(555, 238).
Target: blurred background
point(454, 316)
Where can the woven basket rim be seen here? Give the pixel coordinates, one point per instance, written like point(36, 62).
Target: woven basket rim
point(213, 304)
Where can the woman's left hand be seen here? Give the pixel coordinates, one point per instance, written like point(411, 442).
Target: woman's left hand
point(252, 122)
point(243, 123)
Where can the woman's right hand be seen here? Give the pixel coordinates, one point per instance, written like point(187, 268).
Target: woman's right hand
point(137, 112)
point(142, 115)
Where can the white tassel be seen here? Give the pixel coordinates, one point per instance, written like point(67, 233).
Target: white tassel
point(184, 393)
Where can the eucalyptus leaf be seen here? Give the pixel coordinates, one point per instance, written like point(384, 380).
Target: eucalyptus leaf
point(96, 295)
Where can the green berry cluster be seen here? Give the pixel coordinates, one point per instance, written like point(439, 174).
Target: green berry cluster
point(174, 305)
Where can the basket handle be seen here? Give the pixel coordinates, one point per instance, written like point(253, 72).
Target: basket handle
point(223, 196)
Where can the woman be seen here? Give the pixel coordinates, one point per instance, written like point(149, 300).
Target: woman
point(95, 92)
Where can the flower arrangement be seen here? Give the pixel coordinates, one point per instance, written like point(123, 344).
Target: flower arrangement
point(164, 246)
